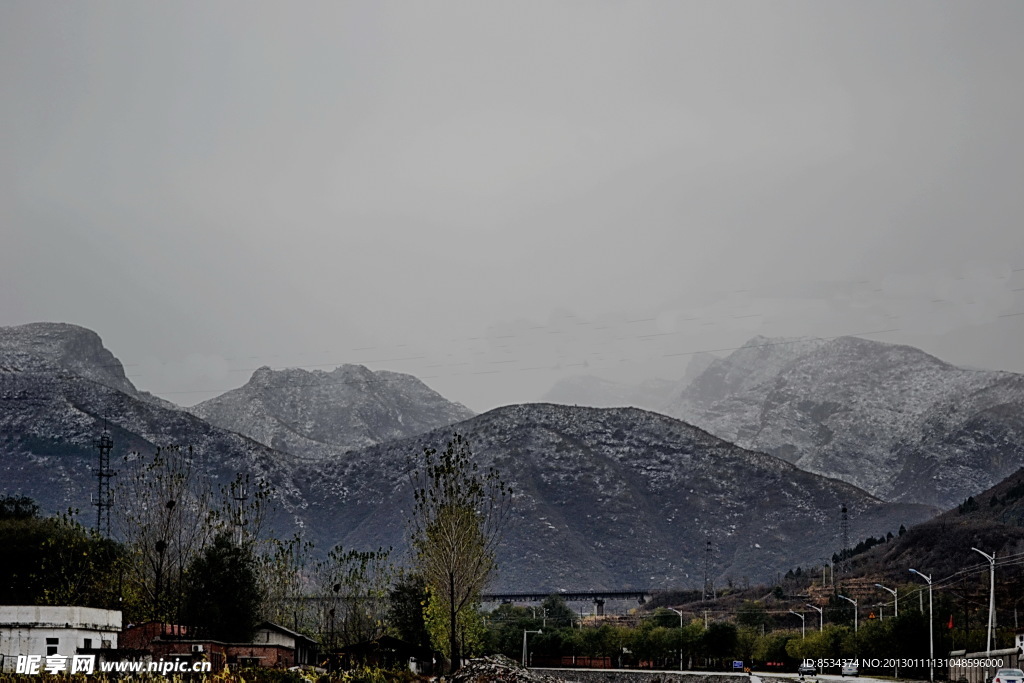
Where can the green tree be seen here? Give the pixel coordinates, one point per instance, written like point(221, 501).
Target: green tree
point(55, 560)
point(18, 507)
point(720, 640)
point(746, 643)
point(691, 640)
point(222, 597)
point(556, 612)
point(752, 614)
point(406, 602)
point(826, 644)
point(458, 513)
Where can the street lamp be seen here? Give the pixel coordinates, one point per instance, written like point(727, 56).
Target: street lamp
point(896, 612)
point(680, 637)
point(895, 599)
point(524, 644)
point(803, 623)
point(931, 635)
point(854, 602)
point(991, 596)
point(821, 615)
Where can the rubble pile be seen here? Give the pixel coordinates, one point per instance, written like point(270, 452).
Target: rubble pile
point(498, 668)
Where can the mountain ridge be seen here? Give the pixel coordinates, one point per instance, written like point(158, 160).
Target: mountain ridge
point(885, 417)
point(316, 413)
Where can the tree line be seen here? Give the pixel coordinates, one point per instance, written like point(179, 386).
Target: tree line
point(194, 555)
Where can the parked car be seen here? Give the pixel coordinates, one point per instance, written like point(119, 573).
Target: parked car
point(1008, 676)
point(849, 670)
point(807, 669)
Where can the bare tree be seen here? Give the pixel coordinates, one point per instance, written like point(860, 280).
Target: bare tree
point(286, 581)
point(353, 588)
point(163, 516)
point(456, 523)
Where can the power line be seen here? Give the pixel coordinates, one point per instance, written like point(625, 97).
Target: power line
point(801, 340)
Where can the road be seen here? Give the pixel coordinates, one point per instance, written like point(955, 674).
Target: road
point(760, 677)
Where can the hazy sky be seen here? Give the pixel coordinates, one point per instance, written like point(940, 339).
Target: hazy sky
point(494, 195)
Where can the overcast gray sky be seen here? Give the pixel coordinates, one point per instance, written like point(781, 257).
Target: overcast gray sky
point(494, 195)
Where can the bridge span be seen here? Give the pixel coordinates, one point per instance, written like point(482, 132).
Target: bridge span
point(597, 597)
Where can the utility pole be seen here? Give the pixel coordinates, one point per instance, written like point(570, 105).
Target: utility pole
point(524, 644)
point(240, 494)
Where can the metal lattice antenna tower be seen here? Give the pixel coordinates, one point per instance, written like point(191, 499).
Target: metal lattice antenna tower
point(844, 540)
point(104, 499)
point(707, 571)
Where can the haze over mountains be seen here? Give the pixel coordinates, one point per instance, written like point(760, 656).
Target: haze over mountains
point(605, 497)
point(651, 394)
point(891, 419)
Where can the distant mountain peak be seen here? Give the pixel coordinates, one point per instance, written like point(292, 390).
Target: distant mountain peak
point(317, 413)
point(62, 347)
point(889, 418)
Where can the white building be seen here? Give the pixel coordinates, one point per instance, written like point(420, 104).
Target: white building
point(28, 630)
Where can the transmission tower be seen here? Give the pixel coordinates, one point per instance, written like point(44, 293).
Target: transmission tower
point(708, 589)
point(104, 499)
point(844, 540)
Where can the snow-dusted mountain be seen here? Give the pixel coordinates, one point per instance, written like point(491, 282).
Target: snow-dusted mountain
point(315, 414)
point(60, 388)
point(891, 419)
point(605, 498)
point(611, 498)
point(65, 349)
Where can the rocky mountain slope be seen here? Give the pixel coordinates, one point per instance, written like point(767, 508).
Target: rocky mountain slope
point(67, 349)
point(609, 498)
point(605, 498)
point(891, 419)
point(315, 414)
point(992, 520)
point(50, 421)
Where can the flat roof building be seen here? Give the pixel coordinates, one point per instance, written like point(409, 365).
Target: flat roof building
point(49, 630)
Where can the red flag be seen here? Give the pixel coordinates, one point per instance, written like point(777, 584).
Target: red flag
point(950, 624)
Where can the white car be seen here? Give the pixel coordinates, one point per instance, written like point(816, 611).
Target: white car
point(851, 670)
point(1008, 676)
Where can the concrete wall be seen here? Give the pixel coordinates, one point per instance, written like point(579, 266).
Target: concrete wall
point(620, 676)
point(972, 665)
point(30, 630)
